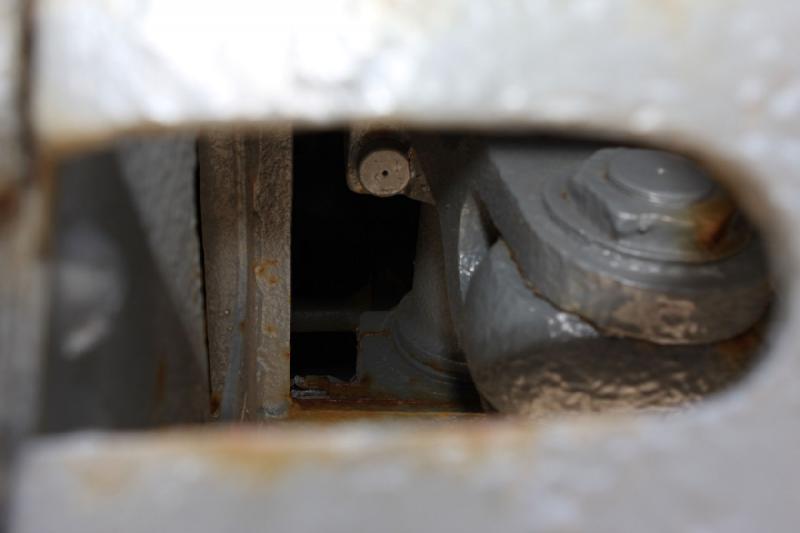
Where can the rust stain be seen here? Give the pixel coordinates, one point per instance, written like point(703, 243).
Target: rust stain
point(329, 412)
point(271, 452)
point(268, 454)
point(215, 404)
point(271, 330)
point(666, 318)
point(252, 457)
point(273, 280)
point(105, 479)
point(711, 220)
point(9, 204)
point(361, 396)
point(264, 266)
point(740, 351)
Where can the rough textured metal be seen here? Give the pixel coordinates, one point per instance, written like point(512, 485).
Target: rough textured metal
point(530, 358)
point(451, 477)
point(389, 60)
point(246, 198)
point(550, 208)
point(718, 78)
point(161, 176)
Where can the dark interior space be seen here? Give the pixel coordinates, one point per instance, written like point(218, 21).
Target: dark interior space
point(324, 353)
point(351, 253)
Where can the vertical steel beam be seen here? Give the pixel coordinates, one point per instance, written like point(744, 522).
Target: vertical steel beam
point(245, 203)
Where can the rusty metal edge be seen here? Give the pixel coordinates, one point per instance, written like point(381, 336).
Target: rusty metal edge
point(245, 203)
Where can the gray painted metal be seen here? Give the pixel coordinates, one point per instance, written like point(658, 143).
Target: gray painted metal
point(663, 280)
point(557, 204)
point(648, 204)
point(161, 177)
point(119, 354)
point(398, 373)
point(422, 321)
point(719, 79)
point(412, 352)
point(530, 358)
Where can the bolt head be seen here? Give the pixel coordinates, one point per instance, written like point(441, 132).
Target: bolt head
point(653, 204)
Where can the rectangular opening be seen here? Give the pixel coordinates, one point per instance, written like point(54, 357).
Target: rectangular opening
point(351, 254)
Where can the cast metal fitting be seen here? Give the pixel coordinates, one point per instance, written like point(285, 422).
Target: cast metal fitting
point(384, 172)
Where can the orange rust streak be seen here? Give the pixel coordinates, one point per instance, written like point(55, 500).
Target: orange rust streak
point(739, 351)
point(711, 219)
point(268, 452)
point(262, 267)
point(360, 397)
point(318, 411)
point(215, 404)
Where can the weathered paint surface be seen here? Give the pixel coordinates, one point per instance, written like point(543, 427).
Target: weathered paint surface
point(608, 476)
point(718, 78)
point(246, 199)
